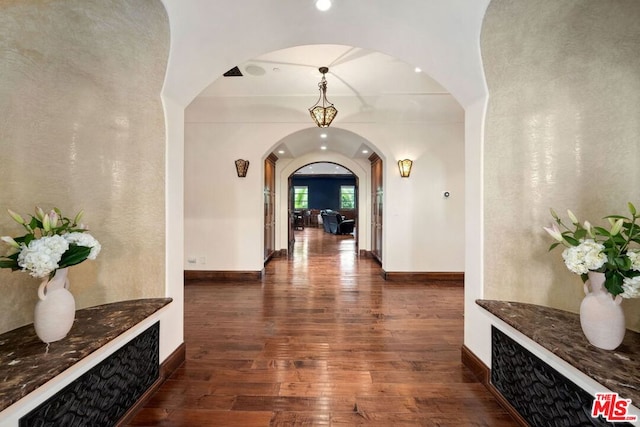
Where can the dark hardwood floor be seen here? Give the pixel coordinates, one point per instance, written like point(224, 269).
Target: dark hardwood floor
point(323, 340)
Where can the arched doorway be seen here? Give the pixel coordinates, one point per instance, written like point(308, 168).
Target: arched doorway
point(323, 196)
point(395, 147)
point(308, 143)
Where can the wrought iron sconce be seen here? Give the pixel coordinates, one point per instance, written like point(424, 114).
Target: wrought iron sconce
point(405, 167)
point(242, 166)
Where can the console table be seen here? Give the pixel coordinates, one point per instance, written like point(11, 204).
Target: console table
point(560, 333)
point(28, 363)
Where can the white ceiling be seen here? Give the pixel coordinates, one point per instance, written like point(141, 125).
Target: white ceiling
point(210, 36)
point(352, 72)
point(379, 86)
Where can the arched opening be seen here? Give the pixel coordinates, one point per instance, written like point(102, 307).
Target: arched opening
point(464, 78)
point(323, 206)
point(380, 100)
point(333, 146)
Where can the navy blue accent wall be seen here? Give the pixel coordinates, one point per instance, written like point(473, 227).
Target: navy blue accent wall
point(324, 192)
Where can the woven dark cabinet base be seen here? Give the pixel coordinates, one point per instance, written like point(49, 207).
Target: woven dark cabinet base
point(543, 396)
point(101, 396)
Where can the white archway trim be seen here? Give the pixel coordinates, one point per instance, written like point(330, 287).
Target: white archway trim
point(426, 34)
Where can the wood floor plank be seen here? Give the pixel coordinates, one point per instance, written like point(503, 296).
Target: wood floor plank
point(323, 340)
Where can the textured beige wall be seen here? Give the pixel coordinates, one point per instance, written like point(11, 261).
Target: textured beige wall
point(82, 127)
point(562, 131)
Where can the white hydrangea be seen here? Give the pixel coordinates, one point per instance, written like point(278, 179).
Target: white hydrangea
point(41, 256)
point(631, 287)
point(86, 240)
point(634, 256)
point(586, 256)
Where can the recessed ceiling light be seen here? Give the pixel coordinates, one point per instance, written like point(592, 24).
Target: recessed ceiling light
point(417, 70)
point(280, 151)
point(323, 5)
point(323, 135)
point(365, 151)
point(324, 147)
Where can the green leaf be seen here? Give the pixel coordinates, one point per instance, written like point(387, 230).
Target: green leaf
point(571, 240)
point(616, 217)
point(553, 246)
point(35, 223)
point(622, 263)
point(74, 255)
point(619, 240)
point(602, 231)
point(580, 234)
point(6, 263)
point(28, 238)
point(632, 274)
point(613, 283)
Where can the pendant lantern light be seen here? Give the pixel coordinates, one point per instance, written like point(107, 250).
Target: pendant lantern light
point(323, 112)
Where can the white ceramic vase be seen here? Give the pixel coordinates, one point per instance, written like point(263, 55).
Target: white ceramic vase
point(601, 315)
point(56, 309)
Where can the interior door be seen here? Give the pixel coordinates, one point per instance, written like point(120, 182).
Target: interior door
point(269, 194)
point(292, 237)
point(377, 193)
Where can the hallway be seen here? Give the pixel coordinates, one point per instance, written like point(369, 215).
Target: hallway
point(323, 340)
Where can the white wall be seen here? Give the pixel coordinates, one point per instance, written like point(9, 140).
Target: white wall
point(423, 231)
point(172, 332)
point(224, 215)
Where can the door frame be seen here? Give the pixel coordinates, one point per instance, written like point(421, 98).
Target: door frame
point(290, 208)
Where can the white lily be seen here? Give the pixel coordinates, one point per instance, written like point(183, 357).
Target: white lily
point(16, 216)
point(53, 219)
point(589, 228)
point(46, 223)
point(572, 217)
point(39, 213)
point(554, 232)
point(76, 220)
point(617, 226)
point(9, 240)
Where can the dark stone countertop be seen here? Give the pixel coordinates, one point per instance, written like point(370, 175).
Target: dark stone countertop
point(27, 363)
point(559, 332)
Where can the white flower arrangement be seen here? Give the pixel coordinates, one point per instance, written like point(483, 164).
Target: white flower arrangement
point(631, 287)
point(589, 248)
point(52, 242)
point(586, 256)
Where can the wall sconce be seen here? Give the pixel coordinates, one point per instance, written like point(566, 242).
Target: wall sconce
point(405, 167)
point(242, 166)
